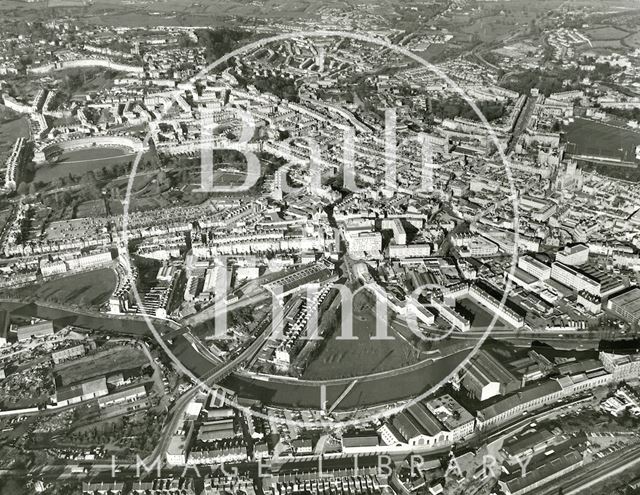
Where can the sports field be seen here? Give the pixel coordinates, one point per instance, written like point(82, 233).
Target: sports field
point(86, 290)
point(588, 137)
point(80, 162)
point(344, 358)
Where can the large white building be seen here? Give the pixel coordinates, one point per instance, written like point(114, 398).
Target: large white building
point(621, 366)
point(89, 261)
point(409, 251)
point(86, 62)
point(626, 305)
point(574, 279)
point(477, 246)
point(359, 242)
point(399, 234)
point(575, 255)
point(534, 267)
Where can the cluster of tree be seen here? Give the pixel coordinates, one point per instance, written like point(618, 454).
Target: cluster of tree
point(241, 316)
point(24, 189)
point(58, 100)
point(627, 114)
point(76, 79)
point(227, 157)
point(35, 29)
point(546, 81)
point(457, 107)
point(631, 174)
point(553, 80)
point(218, 42)
point(147, 270)
point(602, 71)
point(280, 86)
point(120, 45)
point(73, 81)
point(185, 41)
point(15, 486)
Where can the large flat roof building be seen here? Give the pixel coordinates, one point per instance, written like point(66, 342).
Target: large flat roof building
point(627, 305)
point(78, 392)
point(575, 279)
point(216, 430)
point(452, 415)
point(486, 377)
point(123, 397)
point(573, 255)
point(420, 427)
point(535, 267)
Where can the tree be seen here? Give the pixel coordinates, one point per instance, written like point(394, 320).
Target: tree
point(220, 41)
point(162, 177)
point(66, 199)
point(23, 189)
point(89, 178)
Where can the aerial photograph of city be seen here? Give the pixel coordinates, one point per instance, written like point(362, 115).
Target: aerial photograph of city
point(330, 247)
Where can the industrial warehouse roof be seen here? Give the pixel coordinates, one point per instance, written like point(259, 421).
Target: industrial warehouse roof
point(95, 385)
point(485, 369)
point(523, 396)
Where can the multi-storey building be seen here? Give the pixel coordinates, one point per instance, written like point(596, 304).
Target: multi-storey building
point(573, 255)
point(498, 306)
point(359, 242)
point(626, 305)
point(486, 377)
point(452, 415)
point(621, 366)
point(574, 279)
point(535, 267)
point(409, 251)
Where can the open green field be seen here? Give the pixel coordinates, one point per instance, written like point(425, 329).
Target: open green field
point(88, 209)
point(80, 162)
point(88, 289)
point(606, 33)
point(613, 44)
point(11, 129)
point(588, 137)
point(149, 203)
point(633, 40)
point(102, 363)
point(344, 358)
